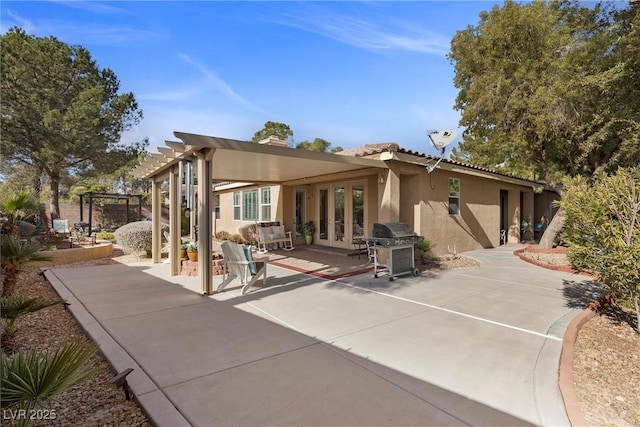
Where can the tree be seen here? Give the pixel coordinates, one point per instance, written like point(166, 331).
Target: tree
point(280, 130)
point(603, 231)
point(544, 91)
point(61, 113)
point(318, 144)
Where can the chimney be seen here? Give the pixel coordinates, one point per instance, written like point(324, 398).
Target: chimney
point(273, 140)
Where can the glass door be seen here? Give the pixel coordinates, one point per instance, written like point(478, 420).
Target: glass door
point(357, 212)
point(323, 216)
point(299, 215)
point(339, 210)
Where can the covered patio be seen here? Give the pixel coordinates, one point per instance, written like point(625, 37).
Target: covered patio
point(217, 160)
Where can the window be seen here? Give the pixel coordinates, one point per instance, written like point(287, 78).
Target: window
point(216, 206)
point(454, 196)
point(265, 204)
point(236, 205)
point(250, 205)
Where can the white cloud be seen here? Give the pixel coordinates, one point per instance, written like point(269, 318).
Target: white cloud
point(16, 20)
point(364, 34)
point(219, 85)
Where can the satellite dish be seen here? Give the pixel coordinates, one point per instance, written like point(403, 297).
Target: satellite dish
point(440, 139)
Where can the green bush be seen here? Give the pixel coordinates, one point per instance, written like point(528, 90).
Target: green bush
point(602, 229)
point(105, 235)
point(136, 236)
point(424, 245)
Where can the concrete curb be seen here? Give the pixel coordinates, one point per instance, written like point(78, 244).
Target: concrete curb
point(567, 389)
point(565, 381)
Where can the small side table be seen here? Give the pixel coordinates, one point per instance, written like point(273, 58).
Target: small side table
point(359, 247)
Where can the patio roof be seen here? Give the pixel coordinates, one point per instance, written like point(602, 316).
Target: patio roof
point(244, 161)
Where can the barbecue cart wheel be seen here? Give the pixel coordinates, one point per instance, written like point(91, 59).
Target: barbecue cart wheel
point(375, 275)
point(415, 272)
point(391, 279)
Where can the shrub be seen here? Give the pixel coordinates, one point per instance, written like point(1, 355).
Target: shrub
point(136, 236)
point(603, 231)
point(249, 234)
point(223, 235)
point(105, 235)
point(236, 238)
point(424, 245)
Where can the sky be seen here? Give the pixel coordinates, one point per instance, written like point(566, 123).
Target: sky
point(352, 73)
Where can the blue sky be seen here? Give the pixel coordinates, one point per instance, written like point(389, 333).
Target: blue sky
point(350, 72)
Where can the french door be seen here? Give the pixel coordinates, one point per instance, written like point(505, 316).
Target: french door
point(300, 215)
point(341, 213)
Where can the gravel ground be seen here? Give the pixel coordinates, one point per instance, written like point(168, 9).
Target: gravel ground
point(91, 403)
point(606, 363)
point(606, 374)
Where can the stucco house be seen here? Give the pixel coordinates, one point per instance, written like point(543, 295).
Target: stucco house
point(453, 205)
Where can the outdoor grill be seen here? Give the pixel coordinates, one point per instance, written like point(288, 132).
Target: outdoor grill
point(392, 243)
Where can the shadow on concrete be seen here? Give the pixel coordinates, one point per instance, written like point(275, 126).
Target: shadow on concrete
point(580, 293)
point(210, 373)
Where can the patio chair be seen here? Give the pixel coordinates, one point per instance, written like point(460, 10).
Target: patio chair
point(241, 265)
point(167, 246)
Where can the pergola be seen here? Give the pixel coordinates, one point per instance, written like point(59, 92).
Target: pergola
point(226, 160)
point(117, 197)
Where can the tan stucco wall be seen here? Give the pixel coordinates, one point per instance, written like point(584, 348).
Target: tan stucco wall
point(226, 221)
point(408, 193)
point(424, 205)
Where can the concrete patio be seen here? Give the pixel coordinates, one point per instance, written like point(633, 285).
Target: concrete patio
point(475, 346)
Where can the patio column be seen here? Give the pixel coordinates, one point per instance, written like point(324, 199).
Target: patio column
point(205, 215)
point(389, 196)
point(174, 221)
point(156, 217)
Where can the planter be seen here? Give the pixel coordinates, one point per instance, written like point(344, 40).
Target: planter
point(308, 239)
point(182, 254)
point(193, 256)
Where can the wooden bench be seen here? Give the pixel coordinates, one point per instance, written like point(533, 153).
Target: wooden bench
point(273, 235)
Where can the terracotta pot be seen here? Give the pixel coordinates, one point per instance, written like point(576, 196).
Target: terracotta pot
point(193, 256)
point(182, 254)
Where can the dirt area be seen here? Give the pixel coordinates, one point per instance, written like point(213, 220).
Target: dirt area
point(606, 360)
point(606, 373)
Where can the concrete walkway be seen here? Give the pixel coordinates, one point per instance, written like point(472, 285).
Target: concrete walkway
point(477, 346)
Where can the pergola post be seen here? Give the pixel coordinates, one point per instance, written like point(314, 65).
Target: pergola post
point(156, 217)
point(204, 212)
point(174, 221)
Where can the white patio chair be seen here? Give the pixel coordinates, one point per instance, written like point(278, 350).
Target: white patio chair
point(241, 265)
point(167, 246)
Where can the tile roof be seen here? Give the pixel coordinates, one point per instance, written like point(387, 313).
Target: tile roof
point(373, 149)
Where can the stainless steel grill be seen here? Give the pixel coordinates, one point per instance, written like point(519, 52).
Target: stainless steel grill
point(391, 249)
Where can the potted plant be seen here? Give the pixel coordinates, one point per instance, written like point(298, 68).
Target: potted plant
point(192, 252)
point(309, 228)
point(183, 249)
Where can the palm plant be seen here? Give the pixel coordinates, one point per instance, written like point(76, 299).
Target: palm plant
point(13, 307)
point(14, 257)
point(17, 207)
point(34, 377)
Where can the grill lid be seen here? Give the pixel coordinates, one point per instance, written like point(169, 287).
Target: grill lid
point(391, 230)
